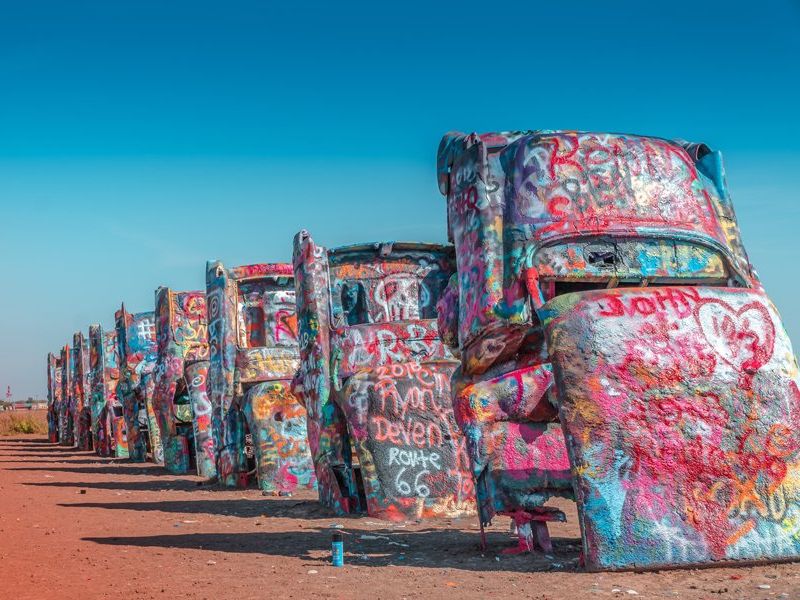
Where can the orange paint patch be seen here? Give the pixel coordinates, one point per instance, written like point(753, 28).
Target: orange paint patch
point(742, 531)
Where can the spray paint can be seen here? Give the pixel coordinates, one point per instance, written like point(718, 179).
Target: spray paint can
point(337, 550)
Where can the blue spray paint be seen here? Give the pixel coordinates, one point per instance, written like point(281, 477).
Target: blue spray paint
point(337, 550)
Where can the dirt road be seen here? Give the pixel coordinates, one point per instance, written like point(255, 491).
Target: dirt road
point(73, 525)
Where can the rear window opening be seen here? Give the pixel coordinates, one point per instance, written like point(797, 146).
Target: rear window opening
point(553, 289)
point(390, 299)
point(354, 303)
point(182, 404)
point(265, 313)
point(605, 258)
point(255, 328)
point(559, 288)
point(181, 393)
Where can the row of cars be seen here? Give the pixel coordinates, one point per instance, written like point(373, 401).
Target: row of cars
point(594, 331)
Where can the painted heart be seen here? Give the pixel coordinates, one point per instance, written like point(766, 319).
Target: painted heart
point(743, 338)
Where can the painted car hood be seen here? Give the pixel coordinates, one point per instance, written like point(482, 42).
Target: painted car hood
point(680, 407)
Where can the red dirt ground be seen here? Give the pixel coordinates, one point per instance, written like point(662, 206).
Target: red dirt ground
point(73, 525)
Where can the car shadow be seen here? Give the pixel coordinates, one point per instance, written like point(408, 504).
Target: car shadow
point(150, 485)
point(44, 450)
point(432, 548)
point(43, 457)
point(70, 461)
point(246, 509)
point(121, 468)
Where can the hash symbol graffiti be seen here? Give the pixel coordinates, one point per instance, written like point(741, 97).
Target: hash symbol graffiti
point(146, 329)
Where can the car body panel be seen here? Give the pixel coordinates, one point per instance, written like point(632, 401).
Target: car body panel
point(539, 216)
point(136, 340)
point(252, 332)
point(680, 408)
point(375, 379)
point(533, 205)
point(180, 398)
point(518, 455)
point(81, 396)
point(104, 367)
point(53, 396)
point(66, 426)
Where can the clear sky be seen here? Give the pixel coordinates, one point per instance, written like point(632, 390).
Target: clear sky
point(139, 138)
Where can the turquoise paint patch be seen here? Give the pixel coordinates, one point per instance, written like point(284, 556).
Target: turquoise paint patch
point(649, 263)
point(696, 265)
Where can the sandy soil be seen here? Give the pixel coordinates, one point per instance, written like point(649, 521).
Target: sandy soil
point(73, 525)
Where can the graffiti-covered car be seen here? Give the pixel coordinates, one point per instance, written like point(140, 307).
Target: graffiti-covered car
point(252, 332)
point(80, 400)
point(66, 425)
point(104, 369)
point(617, 347)
point(182, 406)
point(136, 343)
point(53, 396)
point(375, 378)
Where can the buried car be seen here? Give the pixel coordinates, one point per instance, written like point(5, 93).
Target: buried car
point(252, 332)
point(180, 398)
point(136, 342)
point(66, 422)
point(80, 399)
point(375, 378)
point(105, 406)
point(617, 348)
point(53, 396)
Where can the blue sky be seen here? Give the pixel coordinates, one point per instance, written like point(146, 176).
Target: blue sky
point(138, 139)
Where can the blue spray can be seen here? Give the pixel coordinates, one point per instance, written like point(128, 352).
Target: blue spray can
point(337, 550)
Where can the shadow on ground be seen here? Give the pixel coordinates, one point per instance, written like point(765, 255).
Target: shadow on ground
point(431, 548)
point(444, 547)
point(246, 509)
point(71, 461)
point(103, 469)
point(151, 485)
point(44, 453)
point(32, 443)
